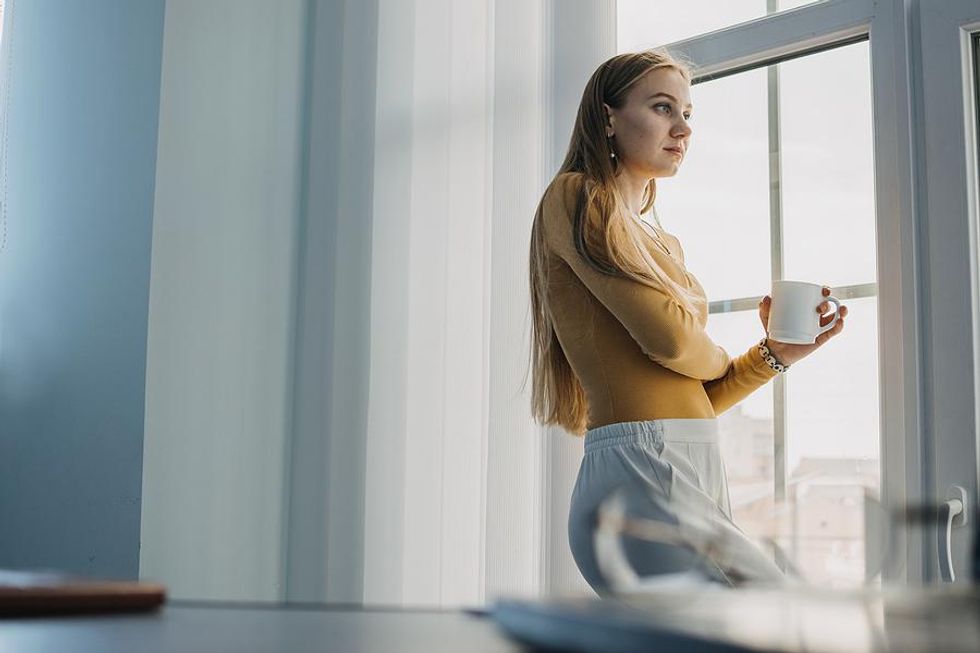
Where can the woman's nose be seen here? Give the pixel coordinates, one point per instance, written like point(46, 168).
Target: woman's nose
point(682, 129)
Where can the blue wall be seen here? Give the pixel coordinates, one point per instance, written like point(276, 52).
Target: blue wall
point(74, 282)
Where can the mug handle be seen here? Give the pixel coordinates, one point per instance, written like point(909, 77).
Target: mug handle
point(836, 303)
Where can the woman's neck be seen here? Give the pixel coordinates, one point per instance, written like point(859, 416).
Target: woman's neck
point(632, 188)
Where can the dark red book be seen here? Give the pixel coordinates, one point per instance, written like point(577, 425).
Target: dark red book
point(51, 592)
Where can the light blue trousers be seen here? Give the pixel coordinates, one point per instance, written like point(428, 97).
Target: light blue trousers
point(670, 471)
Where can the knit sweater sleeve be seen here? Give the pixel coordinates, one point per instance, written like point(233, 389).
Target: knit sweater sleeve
point(748, 373)
point(665, 331)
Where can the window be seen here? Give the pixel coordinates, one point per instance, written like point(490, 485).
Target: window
point(789, 165)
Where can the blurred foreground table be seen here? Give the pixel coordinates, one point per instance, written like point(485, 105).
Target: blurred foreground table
point(242, 628)
point(715, 621)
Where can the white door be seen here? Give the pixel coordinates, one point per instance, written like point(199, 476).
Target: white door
point(947, 188)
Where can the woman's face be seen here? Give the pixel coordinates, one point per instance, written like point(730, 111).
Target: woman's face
point(651, 131)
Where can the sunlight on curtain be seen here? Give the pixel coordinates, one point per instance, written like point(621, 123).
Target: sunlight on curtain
point(450, 481)
point(466, 499)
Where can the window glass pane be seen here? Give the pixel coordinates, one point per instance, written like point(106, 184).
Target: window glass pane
point(650, 23)
point(718, 204)
point(828, 167)
point(747, 433)
point(832, 443)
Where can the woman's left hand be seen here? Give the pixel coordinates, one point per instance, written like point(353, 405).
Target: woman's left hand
point(786, 353)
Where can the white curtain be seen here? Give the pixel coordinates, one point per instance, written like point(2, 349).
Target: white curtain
point(452, 510)
point(431, 310)
point(417, 481)
point(465, 498)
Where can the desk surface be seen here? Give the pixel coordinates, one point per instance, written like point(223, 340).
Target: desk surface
point(244, 628)
point(928, 620)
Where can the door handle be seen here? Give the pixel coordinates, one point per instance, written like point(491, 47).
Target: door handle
point(952, 513)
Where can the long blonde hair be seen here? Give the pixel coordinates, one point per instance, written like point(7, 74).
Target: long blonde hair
point(606, 236)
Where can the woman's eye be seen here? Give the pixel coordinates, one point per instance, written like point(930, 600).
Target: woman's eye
point(669, 109)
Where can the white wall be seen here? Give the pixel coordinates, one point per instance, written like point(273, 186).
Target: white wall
point(221, 309)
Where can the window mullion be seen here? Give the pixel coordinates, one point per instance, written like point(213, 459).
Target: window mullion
point(776, 257)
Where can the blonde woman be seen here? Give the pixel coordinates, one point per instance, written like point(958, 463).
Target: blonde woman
point(619, 348)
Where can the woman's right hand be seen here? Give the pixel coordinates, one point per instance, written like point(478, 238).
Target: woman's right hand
point(786, 353)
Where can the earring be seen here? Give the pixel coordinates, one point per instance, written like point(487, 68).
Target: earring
point(612, 155)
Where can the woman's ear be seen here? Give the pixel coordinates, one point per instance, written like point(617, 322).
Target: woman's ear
point(610, 120)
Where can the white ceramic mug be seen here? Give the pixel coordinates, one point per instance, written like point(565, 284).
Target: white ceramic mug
point(793, 316)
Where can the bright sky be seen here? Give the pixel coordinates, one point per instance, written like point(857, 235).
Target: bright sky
point(718, 205)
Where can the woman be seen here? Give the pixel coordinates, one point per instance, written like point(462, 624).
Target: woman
point(619, 348)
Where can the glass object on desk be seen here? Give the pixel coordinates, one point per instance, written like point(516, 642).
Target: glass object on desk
point(634, 533)
point(626, 520)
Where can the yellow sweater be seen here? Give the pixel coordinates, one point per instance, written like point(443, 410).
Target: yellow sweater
point(638, 354)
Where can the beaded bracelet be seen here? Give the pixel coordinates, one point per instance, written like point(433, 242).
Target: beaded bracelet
point(769, 358)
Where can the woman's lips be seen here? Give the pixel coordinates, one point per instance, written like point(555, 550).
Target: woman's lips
point(674, 151)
